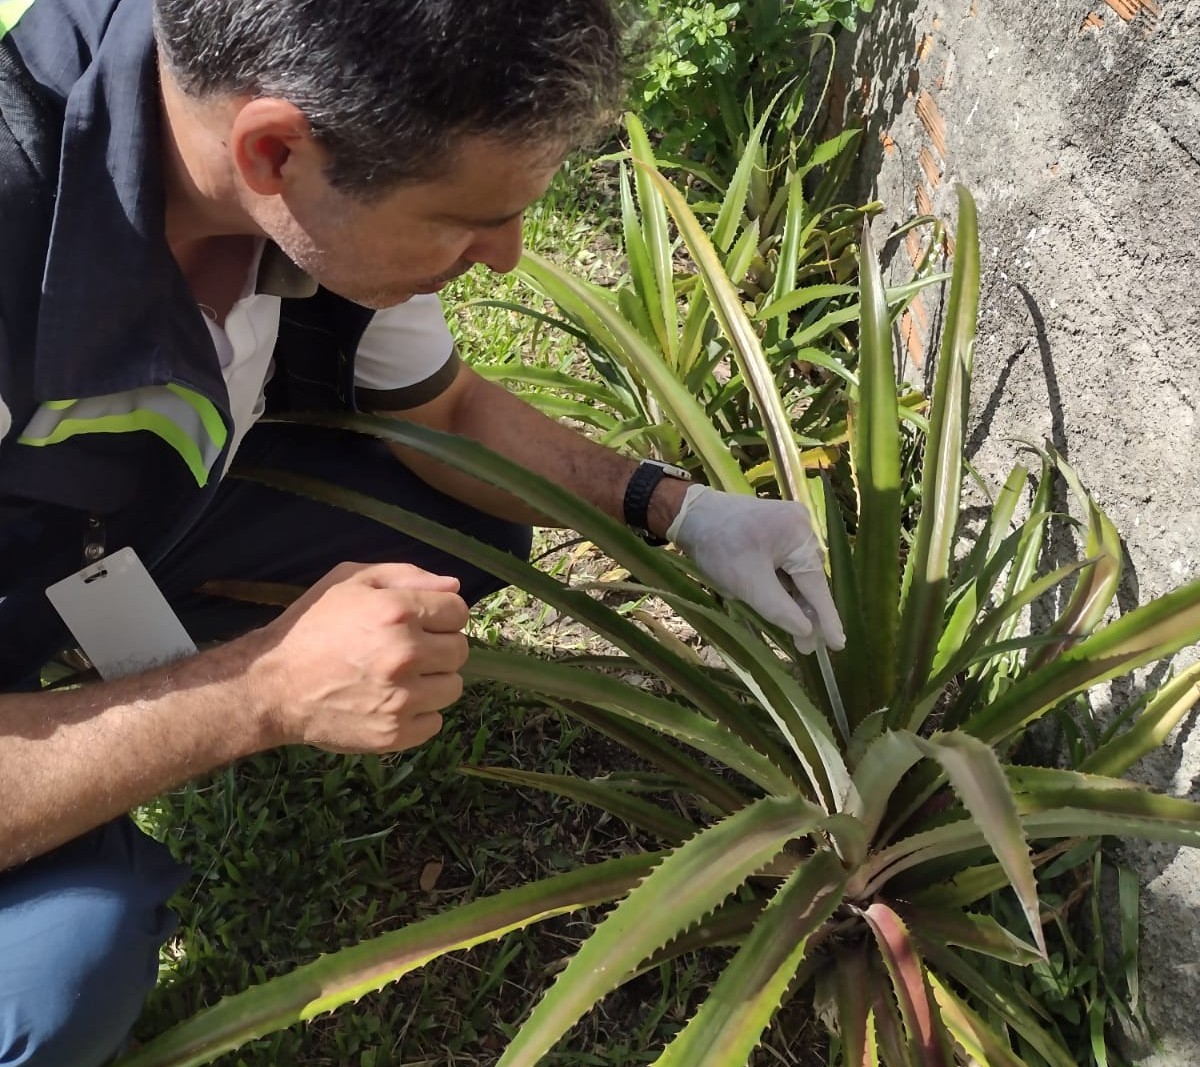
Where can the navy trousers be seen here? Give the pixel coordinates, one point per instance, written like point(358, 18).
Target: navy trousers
point(80, 928)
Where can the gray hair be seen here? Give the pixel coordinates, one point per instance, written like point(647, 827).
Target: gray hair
point(390, 86)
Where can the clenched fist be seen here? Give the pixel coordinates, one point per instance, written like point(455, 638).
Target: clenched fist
point(364, 661)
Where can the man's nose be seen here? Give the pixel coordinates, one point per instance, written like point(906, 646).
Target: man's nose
point(498, 248)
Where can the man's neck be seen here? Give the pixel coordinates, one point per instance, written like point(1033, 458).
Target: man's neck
point(200, 196)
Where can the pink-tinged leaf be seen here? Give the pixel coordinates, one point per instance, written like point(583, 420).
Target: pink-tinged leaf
point(344, 976)
point(730, 1023)
point(922, 1022)
point(685, 887)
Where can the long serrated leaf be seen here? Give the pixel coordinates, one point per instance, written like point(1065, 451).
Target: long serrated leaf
point(789, 252)
point(966, 887)
point(853, 1002)
point(1046, 815)
point(668, 717)
point(560, 407)
point(1148, 633)
point(747, 350)
point(544, 378)
point(829, 150)
point(641, 269)
point(1000, 999)
point(978, 1040)
point(922, 1021)
point(977, 777)
point(799, 720)
point(1128, 894)
point(795, 299)
point(875, 457)
point(665, 825)
point(941, 478)
point(730, 1022)
point(1037, 808)
point(734, 203)
point(660, 752)
point(1096, 586)
point(684, 412)
point(978, 933)
point(896, 296)
point(1160, 716)
point(695, 878)
point(344, 976)
point(851, 670)
point(995, 531)
point(657, 238)
point(1023, 779)
point(889, 1027)
point(974, 645)
point(886, 760)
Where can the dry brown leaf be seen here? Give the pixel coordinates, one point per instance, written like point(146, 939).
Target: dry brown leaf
point(430, 874)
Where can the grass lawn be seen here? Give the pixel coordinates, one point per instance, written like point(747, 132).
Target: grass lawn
point(299, 852)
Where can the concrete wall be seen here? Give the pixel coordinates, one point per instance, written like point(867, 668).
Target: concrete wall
point(1077, 127)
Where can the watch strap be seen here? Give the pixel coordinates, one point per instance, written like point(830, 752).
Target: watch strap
point(636, 503)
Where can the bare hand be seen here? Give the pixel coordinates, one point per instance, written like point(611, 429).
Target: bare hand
point(364, 661)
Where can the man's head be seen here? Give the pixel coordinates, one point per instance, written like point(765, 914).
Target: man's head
point(389, 86)
point(366, 109)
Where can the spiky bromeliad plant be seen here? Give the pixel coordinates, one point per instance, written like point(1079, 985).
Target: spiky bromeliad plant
point(844, 849)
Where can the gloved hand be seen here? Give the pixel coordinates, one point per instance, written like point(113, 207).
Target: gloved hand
point(742, 542)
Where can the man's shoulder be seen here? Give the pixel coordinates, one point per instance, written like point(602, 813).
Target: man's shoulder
point(57, 39)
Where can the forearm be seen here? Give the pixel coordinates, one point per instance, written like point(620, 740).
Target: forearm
point(73, 759)
point(506, 424)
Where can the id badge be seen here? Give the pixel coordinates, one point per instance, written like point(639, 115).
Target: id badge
point(119, 616)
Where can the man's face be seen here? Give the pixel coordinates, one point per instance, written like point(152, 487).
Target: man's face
point(419, 237)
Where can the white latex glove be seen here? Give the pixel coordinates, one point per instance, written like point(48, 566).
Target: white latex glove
point(745, 544)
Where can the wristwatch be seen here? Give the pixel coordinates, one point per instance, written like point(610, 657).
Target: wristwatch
point(639, 490)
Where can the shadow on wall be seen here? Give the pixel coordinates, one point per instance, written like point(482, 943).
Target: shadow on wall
point(875, 71)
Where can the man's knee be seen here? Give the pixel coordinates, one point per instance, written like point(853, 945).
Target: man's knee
point(514, 538)
point(78, 954)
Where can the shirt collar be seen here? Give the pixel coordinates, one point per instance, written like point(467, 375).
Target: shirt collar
point(279, 276)
point(116, 313)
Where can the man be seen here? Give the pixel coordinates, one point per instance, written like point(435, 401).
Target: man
point(176, 179)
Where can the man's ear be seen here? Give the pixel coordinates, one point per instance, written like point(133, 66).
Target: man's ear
point(272, 144)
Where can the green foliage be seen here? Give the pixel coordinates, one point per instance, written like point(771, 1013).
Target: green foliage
point(718, 329)
point(892, 876)
point(711, 58)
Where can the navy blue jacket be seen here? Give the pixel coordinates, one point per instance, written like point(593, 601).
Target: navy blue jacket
point(93, 305)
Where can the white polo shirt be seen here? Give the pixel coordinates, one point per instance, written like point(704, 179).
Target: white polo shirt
point(402, 348)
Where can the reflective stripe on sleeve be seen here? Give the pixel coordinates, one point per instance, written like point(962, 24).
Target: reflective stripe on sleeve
point(184, 419)
point(11, 12)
